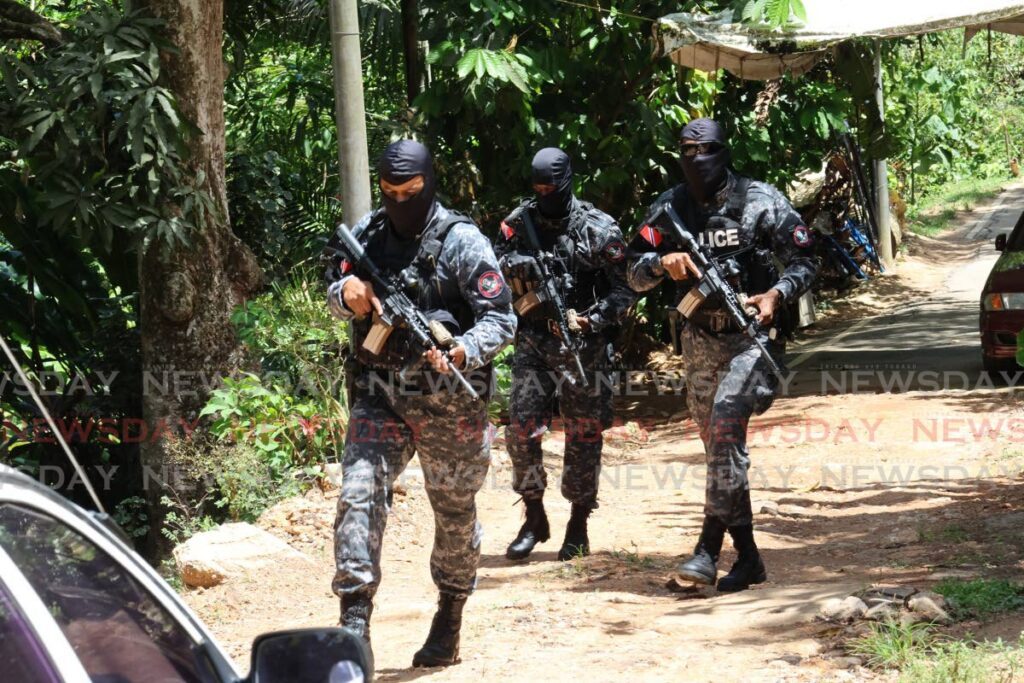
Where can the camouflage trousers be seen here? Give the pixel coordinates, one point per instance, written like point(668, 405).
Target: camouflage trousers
point(449, 433)
point(727, 381)
point(540, 372)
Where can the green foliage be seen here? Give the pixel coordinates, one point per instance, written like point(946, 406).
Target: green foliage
point(922, 656)
point(951, 113)
point(130, 514)
point(100, 142)
point(498, 406)
point(223, 481)
point(981, 598)
point(284, 227)
point(933, 213)
point(181, 522)
point(286, 430)
point(247, 486)
point(771, 14)
point(891, 644)
point(958, 661)
point(576, 78)
point(294, 415)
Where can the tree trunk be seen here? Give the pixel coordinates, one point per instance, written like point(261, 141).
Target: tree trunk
point(411, 48)
point(187, 295)
point(18, 22)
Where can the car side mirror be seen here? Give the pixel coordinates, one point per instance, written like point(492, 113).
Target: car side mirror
point(1001, 242)
point(314, 655)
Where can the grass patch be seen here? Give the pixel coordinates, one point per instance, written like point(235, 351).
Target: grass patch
point(982, 597)
point(958, 661)
point(634, 559)
point(922, 656)
point(892, 645)
point(952, 533)
point(932, 214)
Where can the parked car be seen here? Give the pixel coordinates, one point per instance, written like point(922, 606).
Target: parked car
point(1002, 303)
point(78, 605)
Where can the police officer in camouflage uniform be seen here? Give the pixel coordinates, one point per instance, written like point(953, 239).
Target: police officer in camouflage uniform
point(448, 268)
point(749, 227)
point(590, 268)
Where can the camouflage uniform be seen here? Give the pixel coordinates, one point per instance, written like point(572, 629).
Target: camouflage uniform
point(591, 245)
point(727, 380)
point(445, 426)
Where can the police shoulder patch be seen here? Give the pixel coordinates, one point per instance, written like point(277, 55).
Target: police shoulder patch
point(802, 236)
point(490, 284)
point(615, 250)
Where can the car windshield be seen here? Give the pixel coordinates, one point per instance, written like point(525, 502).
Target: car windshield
point(119, 632)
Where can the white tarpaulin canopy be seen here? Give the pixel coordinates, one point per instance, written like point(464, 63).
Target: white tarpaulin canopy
point(712, 42)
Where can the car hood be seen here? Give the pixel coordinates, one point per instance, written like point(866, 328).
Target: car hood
point(1008, 273)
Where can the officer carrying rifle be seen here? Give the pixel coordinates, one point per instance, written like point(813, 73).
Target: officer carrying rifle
point(718, 238)
point(565, 261)
point(428, 303)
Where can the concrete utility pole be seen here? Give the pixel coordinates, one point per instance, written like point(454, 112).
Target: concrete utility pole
point(881, 176)
point(350, 114)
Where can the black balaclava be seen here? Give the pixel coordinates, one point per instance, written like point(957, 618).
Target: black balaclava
point(706, 174)
point(402, 161)
point(551, 166)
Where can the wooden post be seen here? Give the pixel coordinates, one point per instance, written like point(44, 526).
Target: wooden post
point(881, 176)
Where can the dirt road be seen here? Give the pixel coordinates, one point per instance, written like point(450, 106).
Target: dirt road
point(904, 487)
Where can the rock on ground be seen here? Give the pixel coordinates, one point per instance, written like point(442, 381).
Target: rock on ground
point(843, 610)
point(229, 551)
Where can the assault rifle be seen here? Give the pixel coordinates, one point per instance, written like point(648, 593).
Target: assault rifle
point(568, 329)
point(712, 281)
point(399, 310)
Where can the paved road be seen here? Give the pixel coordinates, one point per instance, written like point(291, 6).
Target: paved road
point(927, 344)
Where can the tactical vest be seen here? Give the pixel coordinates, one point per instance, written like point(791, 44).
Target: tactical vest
point(419, 280)
point(589, 286)
point(755, 270)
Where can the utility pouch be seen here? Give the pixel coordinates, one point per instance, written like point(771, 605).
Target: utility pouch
point(528, 302)
point(378, 336)
point(695, 298)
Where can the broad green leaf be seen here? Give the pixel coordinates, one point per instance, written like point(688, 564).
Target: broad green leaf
point(40, 130)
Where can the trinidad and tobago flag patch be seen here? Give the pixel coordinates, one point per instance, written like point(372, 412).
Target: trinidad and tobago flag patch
point(802, 236)
point(490, 284)
point(345, 267)
point(652, 235)
point(615, 251)
point(506, 231)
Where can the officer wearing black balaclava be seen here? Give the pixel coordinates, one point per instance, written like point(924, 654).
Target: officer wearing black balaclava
point(401, 163)
point(441, 261)
point(552, 173)
point(588, 264)
point(748, 227)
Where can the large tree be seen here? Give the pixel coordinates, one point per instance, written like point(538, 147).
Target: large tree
point(187, 293)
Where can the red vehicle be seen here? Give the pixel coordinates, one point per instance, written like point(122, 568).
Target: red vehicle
point(1002, 303)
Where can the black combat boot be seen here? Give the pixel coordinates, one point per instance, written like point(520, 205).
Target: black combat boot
point(442, 646)
point(534, 530)
point(749, 567)
point(355, 614)
point(701, 568)
point(576, 542)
